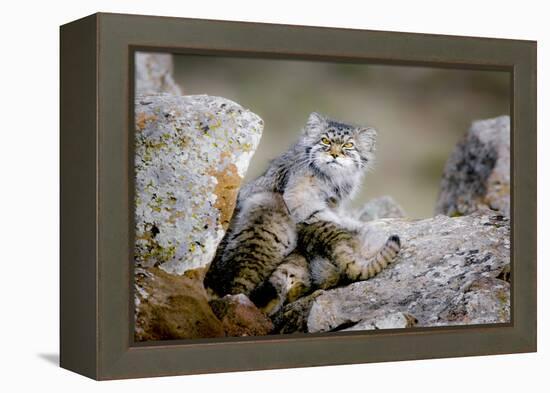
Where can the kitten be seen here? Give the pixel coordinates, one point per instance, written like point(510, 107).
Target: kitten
point(260, 235)
point(290, 233)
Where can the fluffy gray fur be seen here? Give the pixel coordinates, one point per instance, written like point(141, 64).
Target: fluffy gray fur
point(340, 175)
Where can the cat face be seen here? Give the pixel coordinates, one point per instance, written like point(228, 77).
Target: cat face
point(336, 147)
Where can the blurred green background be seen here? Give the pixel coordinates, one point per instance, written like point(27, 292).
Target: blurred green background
point(420, 113)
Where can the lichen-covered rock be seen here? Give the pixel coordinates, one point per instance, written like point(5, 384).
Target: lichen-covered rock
point(446, 274)
point(382, 207)
point(384, 319)
point(169, 307)
point(240, 317)
point(478, 171)
point(154, 74)
point(191, 154)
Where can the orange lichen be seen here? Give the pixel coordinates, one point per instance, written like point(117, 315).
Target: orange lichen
point(226, 191)
point(142, 119)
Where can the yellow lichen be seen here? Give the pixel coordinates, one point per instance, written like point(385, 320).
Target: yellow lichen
point(247, 147)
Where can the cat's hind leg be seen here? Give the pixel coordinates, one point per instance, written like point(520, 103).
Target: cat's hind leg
point(346, 250)
point(324, 274)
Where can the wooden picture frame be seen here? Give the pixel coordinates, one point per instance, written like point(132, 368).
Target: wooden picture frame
point(96, 195)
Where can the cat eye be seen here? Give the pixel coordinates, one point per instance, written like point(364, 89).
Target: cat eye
point(348, 145)
point(325, 141)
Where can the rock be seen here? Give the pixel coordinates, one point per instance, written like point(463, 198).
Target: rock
point(384, 319)
point(154, 74)
point(445, 274)
point(477, 173)
point(172, 307)
point(382, 207)
point(484, 300)
point(294, 316)
point(191, 154)
point(240, 317)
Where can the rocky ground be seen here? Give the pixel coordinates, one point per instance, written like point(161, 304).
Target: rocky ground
point(191, 154)
point(449, 272)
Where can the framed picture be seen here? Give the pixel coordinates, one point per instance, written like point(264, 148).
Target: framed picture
point(241, 196)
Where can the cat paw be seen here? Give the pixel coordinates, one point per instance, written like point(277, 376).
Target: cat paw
point(296, 291)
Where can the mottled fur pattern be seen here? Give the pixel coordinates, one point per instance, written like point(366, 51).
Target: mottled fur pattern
point(290, 232)
point(338, 255)
point(261, 235)
point(326, 256)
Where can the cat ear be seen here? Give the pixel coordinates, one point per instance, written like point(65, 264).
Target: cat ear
point(315, 124)
point(367, 137)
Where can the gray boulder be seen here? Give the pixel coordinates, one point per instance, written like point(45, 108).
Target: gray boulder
point(477, 173)
point(154, 74)
point(191, 154)
point(382, 207)
point(449, 272)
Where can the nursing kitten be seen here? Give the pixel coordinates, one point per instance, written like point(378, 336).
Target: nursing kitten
point(289, 233)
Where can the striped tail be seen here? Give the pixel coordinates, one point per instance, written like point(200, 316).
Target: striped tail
point(382, 258)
